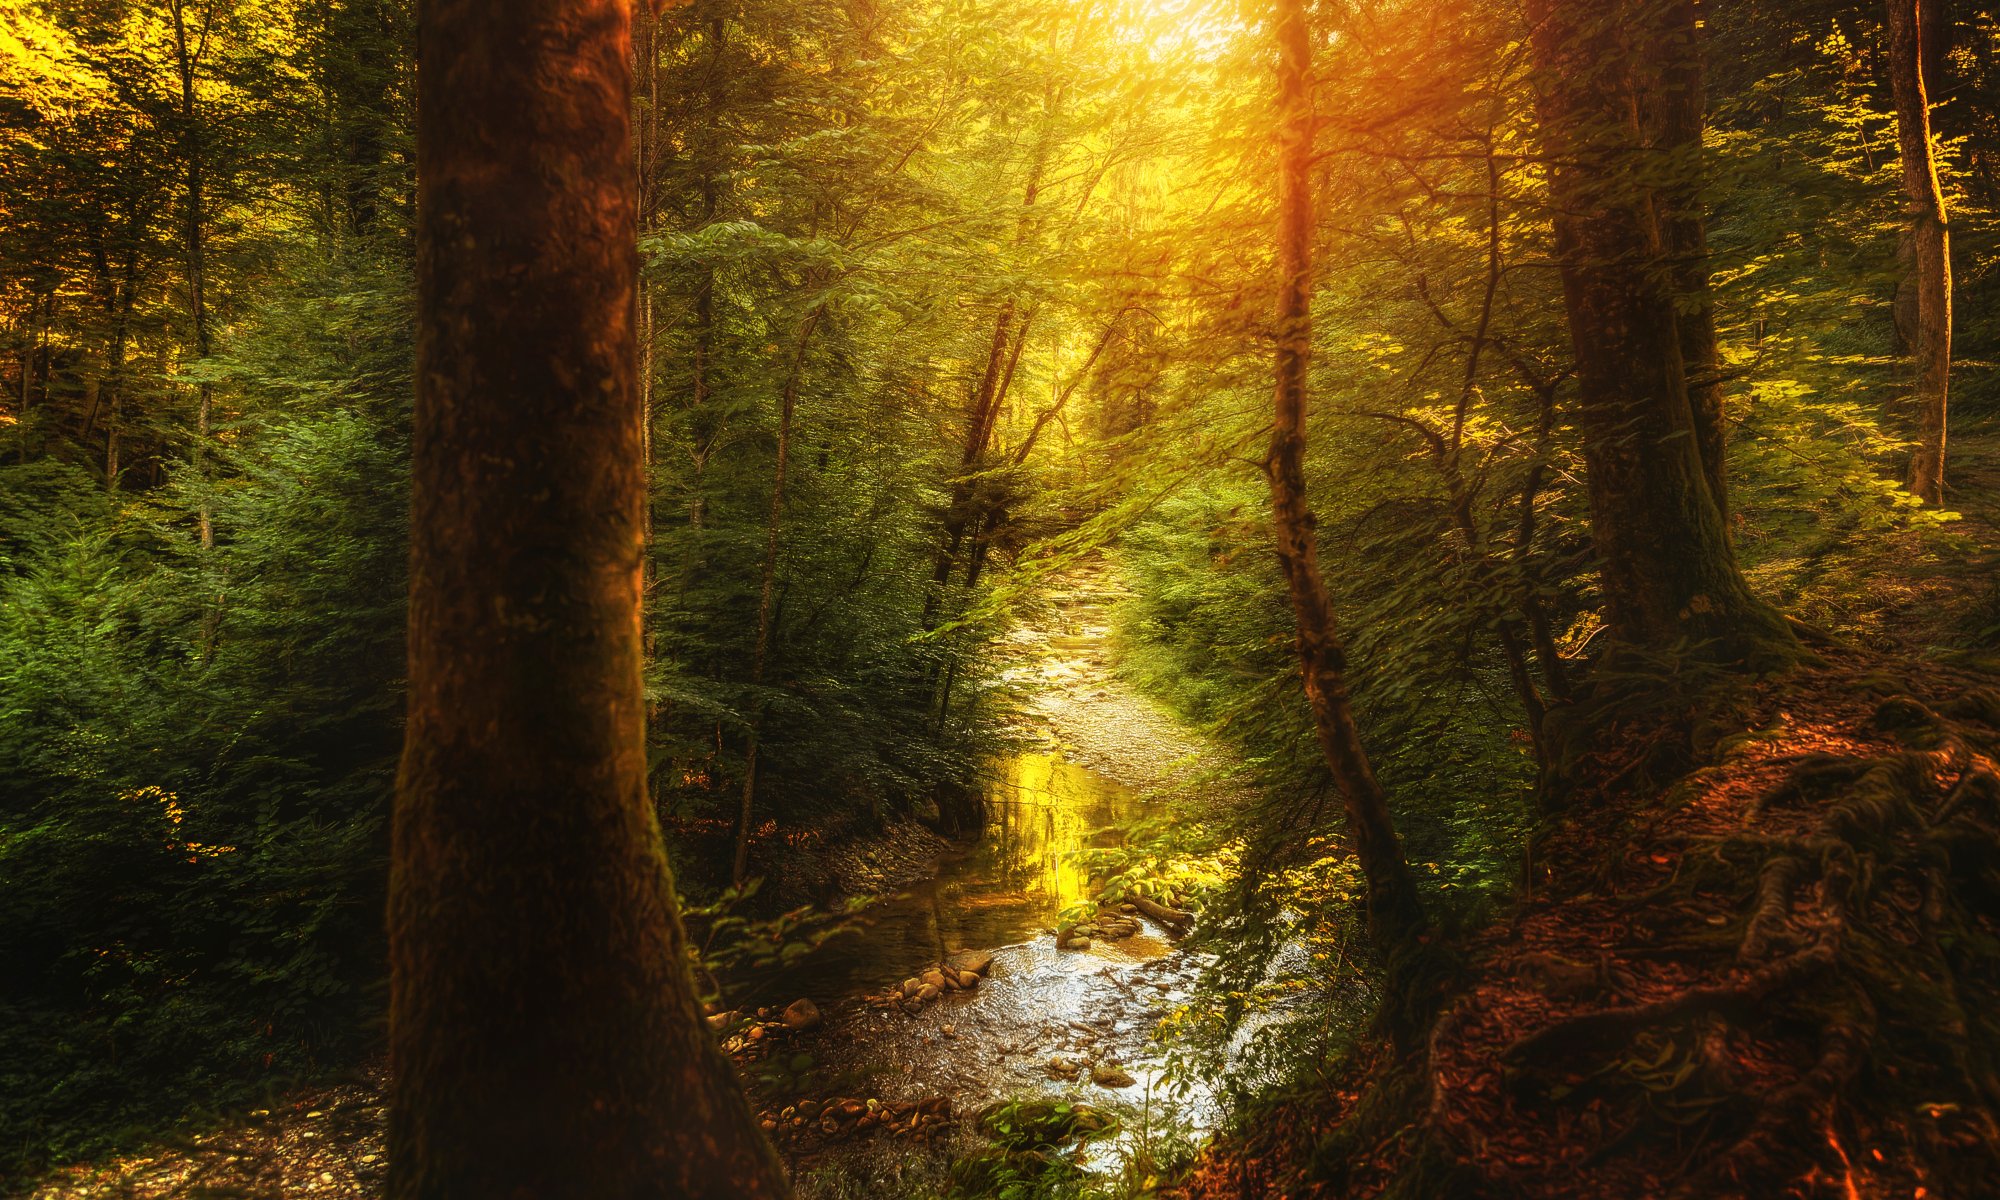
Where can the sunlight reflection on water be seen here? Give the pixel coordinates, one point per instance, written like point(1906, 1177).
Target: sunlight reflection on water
point(1001, 891)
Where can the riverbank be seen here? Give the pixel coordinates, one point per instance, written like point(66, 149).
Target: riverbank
point(1070, 1024)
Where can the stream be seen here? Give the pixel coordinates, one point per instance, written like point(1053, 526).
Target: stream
point(1004, 891)
point(1044, 1020)
point(1043, 1017)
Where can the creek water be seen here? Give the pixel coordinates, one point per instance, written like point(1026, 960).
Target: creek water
point(1044, 1017)
point(1006, 889)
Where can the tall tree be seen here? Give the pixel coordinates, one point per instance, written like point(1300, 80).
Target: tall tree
point(191, 42)
point(545, 1037)
point(1669, 575)
point(1395, 912)
point(1911, 30)
point(1677, 104)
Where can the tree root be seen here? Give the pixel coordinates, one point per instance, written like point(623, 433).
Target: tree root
point(1593, 1028)
point(1771, 1149)
point(1819, 936)
point(1873, 904)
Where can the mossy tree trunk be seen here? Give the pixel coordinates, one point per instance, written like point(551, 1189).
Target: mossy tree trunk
point(545, 1037)
point(1669, 575)
point(1678, 107)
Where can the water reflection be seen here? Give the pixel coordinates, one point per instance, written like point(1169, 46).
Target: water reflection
point(1040, 810)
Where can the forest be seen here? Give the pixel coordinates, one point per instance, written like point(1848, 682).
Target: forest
point(1014, 599)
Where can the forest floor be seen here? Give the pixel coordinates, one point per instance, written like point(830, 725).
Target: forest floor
point(1766, 976)
point(1913, 591)
point(1759, 949)
point(1060, 1024)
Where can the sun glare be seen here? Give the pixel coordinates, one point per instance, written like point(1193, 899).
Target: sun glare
point(1170, 27)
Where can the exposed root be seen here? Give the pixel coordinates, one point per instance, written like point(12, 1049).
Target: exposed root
point(1594, 1027)
point(1776, 886)
point(1777, 1144)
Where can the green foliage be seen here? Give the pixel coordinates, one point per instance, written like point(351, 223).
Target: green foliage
point(729, 947)
point(198, 744)
point(1031, 1142)
point(870, 217)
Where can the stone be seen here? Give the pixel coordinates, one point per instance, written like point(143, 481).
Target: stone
point(911, 985)
point(928, 993)
point(979, 962)
point(968, 980)
point(1079, 943)
point(721, 1021)
point(802, 1014)
point(1109, 1076)
point(1064, 1067)
point(933, 978)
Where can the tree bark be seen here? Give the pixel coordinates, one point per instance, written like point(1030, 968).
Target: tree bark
point(1930, 235)
point(1679, 105)
point(1669, 575)
point(1395, 913)
point(545, 1038)
point(114, 373)
point(788, 404)
point(188, 47)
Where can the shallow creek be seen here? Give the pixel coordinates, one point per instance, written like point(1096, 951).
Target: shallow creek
point(1003, 891)
point(1038, 1005)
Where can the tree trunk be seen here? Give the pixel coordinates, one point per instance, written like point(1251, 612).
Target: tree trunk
point(187, 51)
point(114, 374)
point(1669, 575)
point(545, 1039)
point(1679, 104)
point(1929, 235)
point(1396, 915)
point(645, 152)
point(1003, 356)
point(1528, 576)
point(788, 404)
